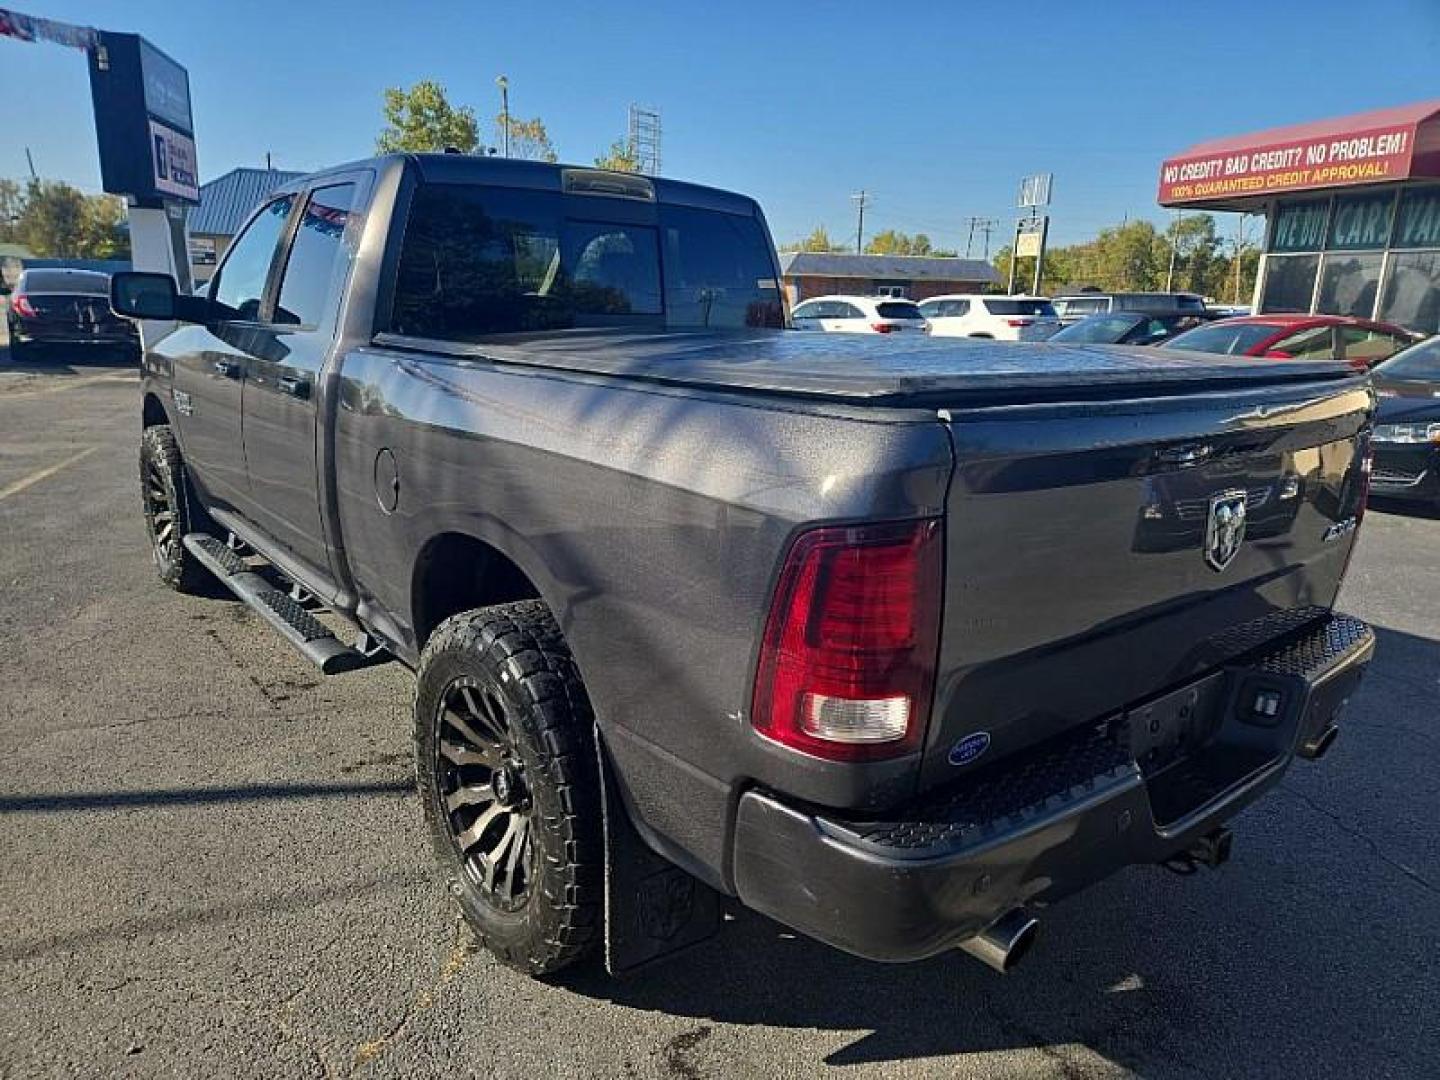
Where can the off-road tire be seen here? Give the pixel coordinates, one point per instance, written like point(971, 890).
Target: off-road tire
point(516, 653)
point(165, 489)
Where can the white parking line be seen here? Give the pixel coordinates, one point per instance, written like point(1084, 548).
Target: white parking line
point(35, 477)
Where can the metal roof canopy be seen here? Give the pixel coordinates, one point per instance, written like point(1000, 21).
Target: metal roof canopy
point(894, 267)
point(1382, 146)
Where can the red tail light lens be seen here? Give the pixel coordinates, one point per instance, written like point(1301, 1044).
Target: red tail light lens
point(1019, 322)
point(883, 327)
point(847, 667)
point(21, 303)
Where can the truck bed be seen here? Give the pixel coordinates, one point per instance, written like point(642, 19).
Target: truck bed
point(881, 370)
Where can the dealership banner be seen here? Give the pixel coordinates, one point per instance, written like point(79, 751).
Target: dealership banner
point(1335, 160)
point(14, 24)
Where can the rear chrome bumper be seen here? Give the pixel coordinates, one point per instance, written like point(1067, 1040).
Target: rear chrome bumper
point(1049, 822)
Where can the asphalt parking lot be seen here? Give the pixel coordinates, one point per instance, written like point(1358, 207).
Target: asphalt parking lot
point(214, 863)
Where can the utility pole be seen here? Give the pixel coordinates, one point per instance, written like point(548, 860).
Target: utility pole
point(1174, 250)
point(504, 84)
point(1239, 247)
point(31, 162)
point(984, 226)
point(860, 225)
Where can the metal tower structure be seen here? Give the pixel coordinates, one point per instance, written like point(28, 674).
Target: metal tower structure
point(645, 138)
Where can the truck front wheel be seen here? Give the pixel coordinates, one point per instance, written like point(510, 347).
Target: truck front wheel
point(171, 510)
point(507, 772)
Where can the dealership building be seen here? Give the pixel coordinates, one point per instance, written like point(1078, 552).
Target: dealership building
point(1351, 205)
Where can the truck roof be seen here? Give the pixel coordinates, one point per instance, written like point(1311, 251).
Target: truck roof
point(880, 370)
point(537, 175)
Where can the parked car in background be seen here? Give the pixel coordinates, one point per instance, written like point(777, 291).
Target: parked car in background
point(1003, 318)
point(1359, 342)
point(69, 308)
point(1076, 307)
point(1407, 425)
point(1129, 328)
point(858, 315)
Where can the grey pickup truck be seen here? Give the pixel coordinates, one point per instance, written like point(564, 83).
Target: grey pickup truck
point(895, 641)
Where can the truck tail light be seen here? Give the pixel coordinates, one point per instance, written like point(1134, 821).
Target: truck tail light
point(882, 327)
point(847, 665)
point(1019, 322)
point(1367, 468)
point(21, 303)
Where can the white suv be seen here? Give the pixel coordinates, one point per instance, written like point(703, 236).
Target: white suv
point(1004, 318)
point(858, 315)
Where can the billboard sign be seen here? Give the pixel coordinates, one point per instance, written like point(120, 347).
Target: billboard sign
point(1334, 160)
point(1035, 190)
point(143, 126)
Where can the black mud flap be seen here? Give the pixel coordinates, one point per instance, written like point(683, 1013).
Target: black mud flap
point(653, 909)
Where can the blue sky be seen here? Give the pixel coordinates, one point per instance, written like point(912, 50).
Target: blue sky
point(937, 109)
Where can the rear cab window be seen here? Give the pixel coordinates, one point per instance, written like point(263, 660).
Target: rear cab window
point(478, 260)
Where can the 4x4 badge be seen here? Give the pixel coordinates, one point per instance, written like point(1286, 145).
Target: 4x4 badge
point(1224, 528)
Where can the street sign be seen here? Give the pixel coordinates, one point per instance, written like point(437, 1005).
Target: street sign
point(1035, 190)
point(1027, 245)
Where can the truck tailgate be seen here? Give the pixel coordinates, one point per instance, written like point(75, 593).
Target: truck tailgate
point(1095, 555)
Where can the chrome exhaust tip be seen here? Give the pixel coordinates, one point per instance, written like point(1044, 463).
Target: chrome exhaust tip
point(1004, 943)
point(1317, 745)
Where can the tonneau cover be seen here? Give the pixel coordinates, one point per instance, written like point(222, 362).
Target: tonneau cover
point(878, 368)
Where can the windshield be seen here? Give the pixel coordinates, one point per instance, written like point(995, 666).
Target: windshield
point(1419, 363)
point(484, 260)
point(1010, 306)
point(1230, 338)
point(898, 309)
point(1098, 329)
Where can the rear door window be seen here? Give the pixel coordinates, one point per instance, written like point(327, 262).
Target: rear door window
point(316, 265)
point(1368, 346)
point(1033, 308)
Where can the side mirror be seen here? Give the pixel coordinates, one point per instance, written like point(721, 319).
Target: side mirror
point(138, 295)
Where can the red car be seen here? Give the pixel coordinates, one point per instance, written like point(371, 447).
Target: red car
point(1360, 342)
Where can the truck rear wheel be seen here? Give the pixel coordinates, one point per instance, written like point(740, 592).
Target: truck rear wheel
point(506, 766)
point(170, 510)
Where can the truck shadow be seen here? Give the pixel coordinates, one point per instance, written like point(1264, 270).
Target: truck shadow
point(1273, 964)
point(1404, 508)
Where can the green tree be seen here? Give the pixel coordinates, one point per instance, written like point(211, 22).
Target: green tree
point(818, 240)
point(422, 119)
point(12, 202)
point(891, 242)
point(621, 157)
point(528, 138)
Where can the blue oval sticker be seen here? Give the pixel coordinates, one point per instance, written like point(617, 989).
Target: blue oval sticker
point(969, 748)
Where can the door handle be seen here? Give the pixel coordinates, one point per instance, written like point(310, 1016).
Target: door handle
point(228, 369)
point(295, 387)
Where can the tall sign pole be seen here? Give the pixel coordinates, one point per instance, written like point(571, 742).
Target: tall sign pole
point(1031, 232)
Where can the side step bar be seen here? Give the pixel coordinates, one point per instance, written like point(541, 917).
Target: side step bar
point(309, 635)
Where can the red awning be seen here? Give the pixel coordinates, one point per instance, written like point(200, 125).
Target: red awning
point(1369, 148)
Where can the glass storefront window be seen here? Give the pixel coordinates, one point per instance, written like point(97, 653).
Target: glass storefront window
point(1300, 226)
point(1419, 222)
point(1289, 282)
point(1412, 291)
point(1361, 222)
point(1348, 284)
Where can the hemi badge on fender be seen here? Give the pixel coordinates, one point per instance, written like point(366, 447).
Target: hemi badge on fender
point(969, 748)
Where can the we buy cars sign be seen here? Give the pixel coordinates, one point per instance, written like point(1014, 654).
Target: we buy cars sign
point(1360, 157)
